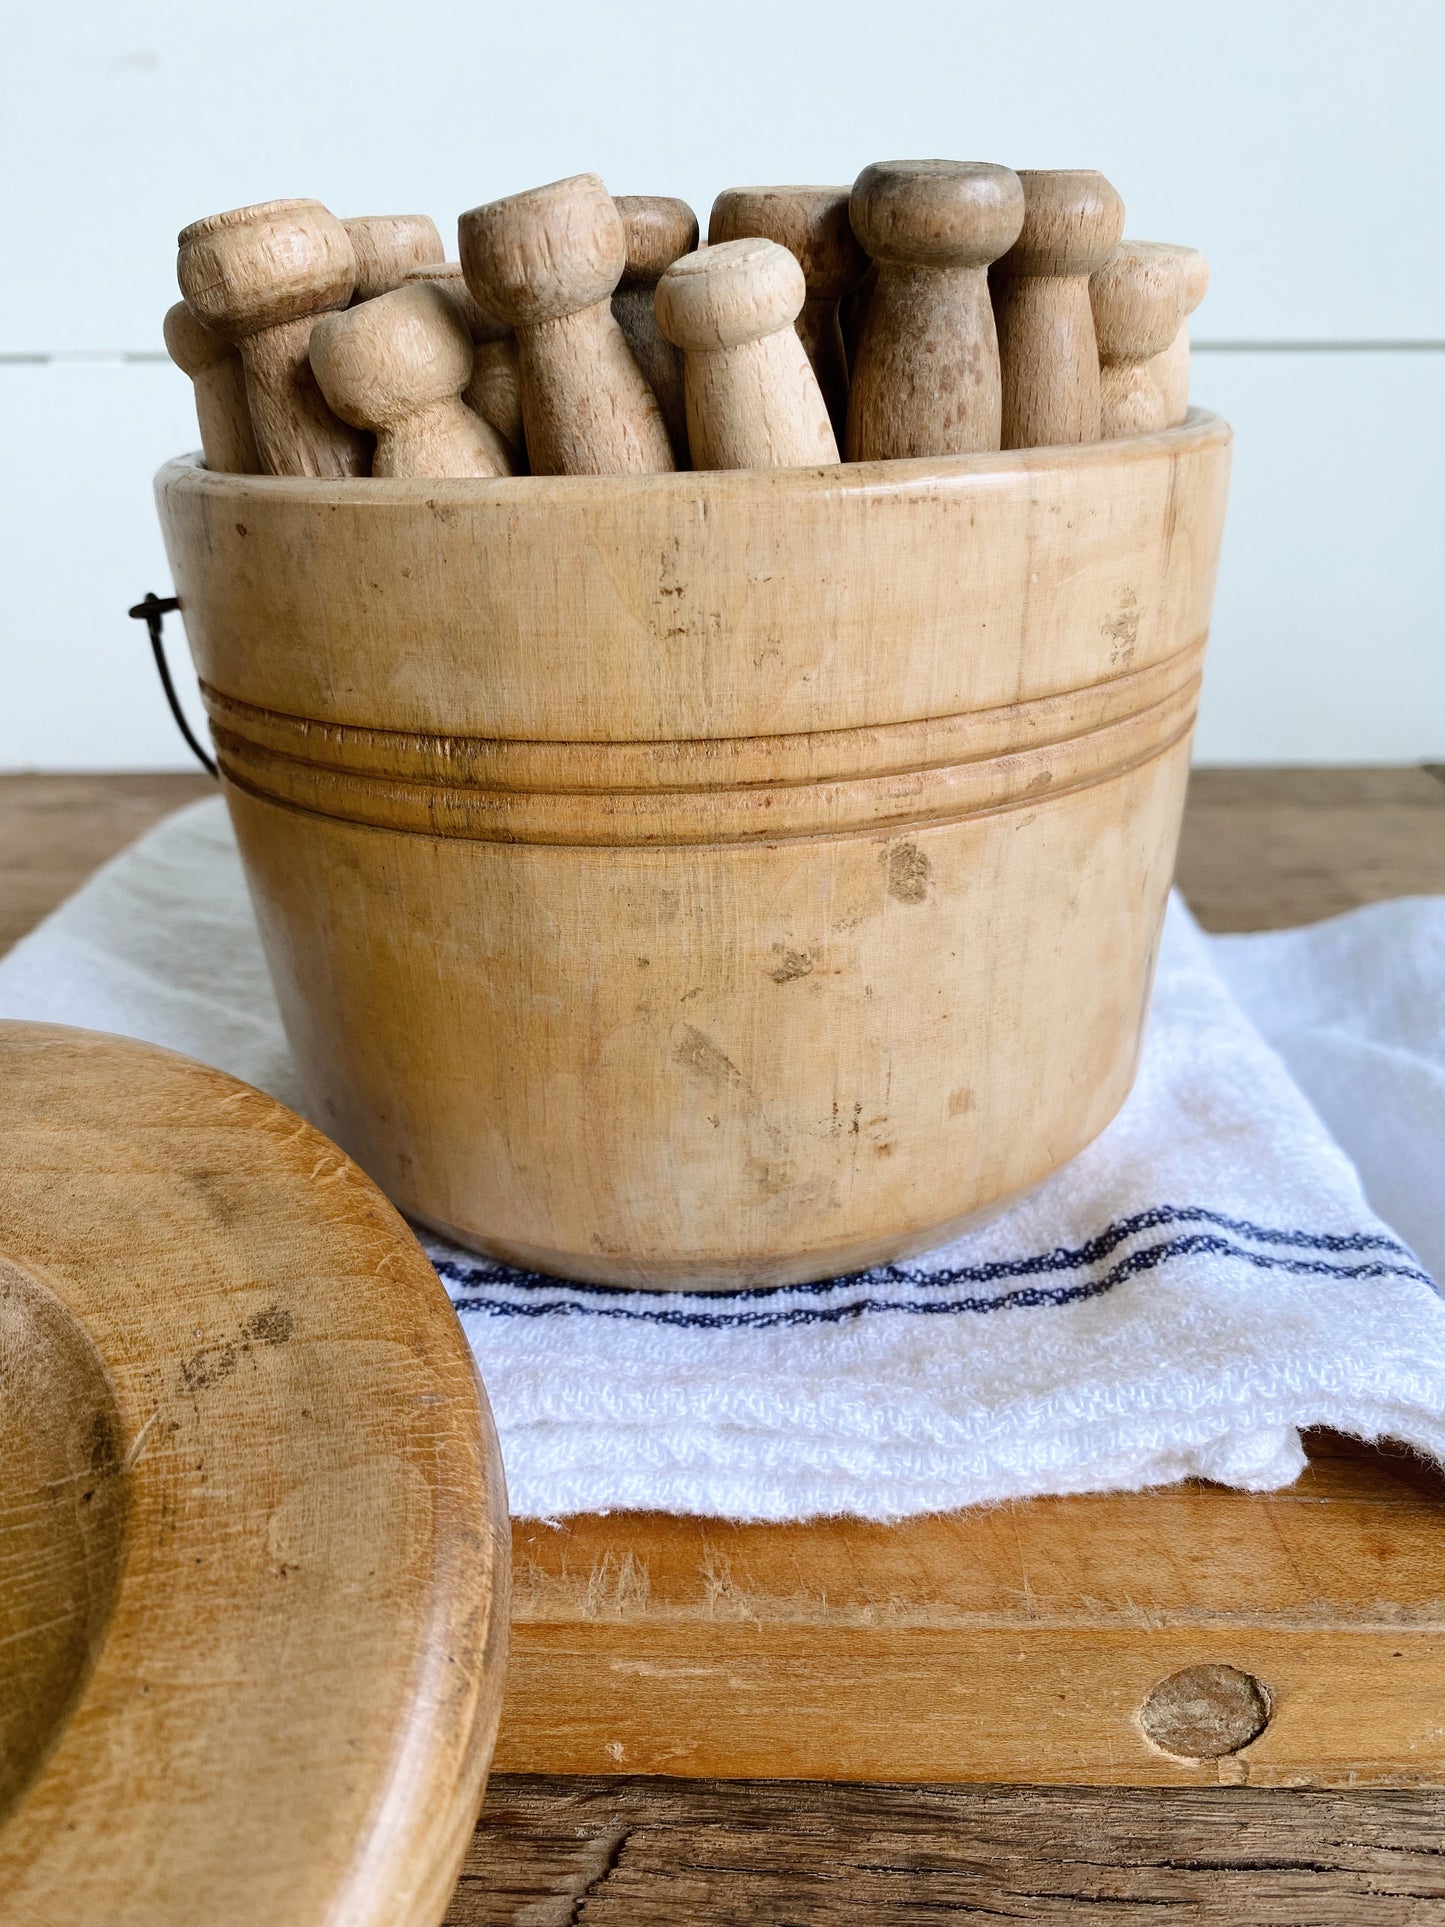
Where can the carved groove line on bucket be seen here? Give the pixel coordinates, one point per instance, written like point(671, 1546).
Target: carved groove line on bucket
point(762, 788)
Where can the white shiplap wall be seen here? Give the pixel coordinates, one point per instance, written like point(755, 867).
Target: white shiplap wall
point(1300, 146)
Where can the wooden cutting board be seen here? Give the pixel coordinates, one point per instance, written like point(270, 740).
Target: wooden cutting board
point(253, 1567)
point(1190, 1636)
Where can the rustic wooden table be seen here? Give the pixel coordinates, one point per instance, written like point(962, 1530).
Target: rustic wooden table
point(1261, 849)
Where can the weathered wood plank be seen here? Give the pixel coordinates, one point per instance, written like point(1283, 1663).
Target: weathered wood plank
point(659, 1853)
point(56, 829)
point(1264, 848)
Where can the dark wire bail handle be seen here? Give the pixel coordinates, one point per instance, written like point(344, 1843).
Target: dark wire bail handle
point(153, 612)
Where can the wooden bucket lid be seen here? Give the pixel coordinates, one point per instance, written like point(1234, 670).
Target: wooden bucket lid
point(254, 1565)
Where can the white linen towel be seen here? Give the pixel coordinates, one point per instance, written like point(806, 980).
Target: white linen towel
point(1205, 1280)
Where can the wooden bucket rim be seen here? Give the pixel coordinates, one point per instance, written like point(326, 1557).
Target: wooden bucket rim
point(1200, 429)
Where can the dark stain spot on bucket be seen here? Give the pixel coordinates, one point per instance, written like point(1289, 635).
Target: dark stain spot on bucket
point(699, 1054)
point(907, 871)
point(1122, 629)
point(771, 1180)
point(791, 964)
point(273, 1326)
point(241, 529)
point(209, 1366)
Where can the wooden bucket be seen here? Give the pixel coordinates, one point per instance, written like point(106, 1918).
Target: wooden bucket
point(710, 878)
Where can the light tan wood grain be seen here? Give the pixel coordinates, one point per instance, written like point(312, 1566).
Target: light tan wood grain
point(1171, 369)
point(547, 261)
point(1015, 1642)
point(63, 1499)
point(254, 1578)
point(260, 276)
point(812, 223)
point(1047, 349)
point(494, 389)
point(386, 246)
point(1137, 299)
point(660, 230)
point(753, 755)
point(397, 365)
point(753, 400)
point(925, 371)
point(223, 414)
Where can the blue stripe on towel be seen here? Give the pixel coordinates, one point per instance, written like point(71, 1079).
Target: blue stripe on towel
point(760, 1309)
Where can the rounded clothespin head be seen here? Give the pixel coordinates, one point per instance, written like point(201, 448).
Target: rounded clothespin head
point(720, 297)
point(383, 359)
point(191, 345)
point(1072, 222)
point(386, 245)
point(811, 222)
point(937, 213)
point(257, 267)
point(658, 230)
point(546, 253)
point(1138, 301)
point(482, 325)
